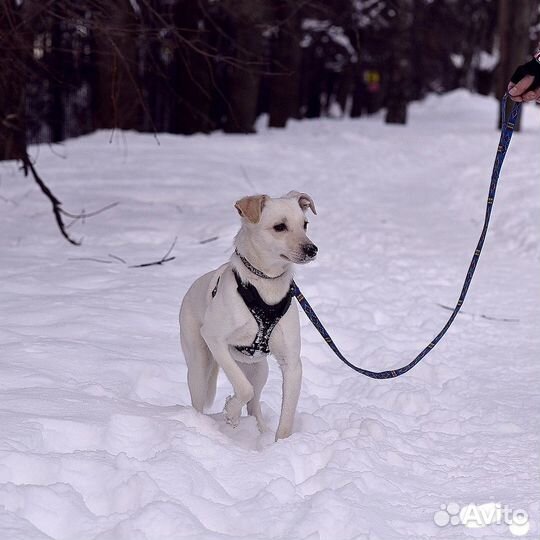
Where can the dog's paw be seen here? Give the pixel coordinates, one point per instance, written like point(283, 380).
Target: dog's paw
point(232, 410)
point(261, 425)
point(283, 433)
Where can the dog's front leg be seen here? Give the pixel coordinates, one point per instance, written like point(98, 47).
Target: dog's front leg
point(243, 390)
point(291, 368)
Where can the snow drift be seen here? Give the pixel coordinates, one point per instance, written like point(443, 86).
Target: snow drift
point(98, 440)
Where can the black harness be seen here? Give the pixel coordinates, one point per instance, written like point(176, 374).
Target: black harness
point(266, 315)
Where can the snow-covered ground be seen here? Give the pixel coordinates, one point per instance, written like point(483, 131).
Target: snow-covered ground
point(97, 438)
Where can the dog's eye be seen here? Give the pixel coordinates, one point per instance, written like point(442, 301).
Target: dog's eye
point(305, 225)
point(280, 227)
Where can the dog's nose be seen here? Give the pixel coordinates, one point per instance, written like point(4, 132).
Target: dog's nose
point(310, 250)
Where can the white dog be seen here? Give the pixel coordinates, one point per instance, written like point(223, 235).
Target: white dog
point(234, 316)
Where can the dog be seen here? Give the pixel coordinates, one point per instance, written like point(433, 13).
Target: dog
point(233, 317)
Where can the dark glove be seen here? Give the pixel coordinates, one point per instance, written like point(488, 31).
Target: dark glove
point(530, 68)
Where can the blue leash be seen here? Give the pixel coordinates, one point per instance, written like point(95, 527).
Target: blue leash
point(506, 136)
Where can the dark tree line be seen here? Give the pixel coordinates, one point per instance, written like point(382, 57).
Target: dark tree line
point(68, 67)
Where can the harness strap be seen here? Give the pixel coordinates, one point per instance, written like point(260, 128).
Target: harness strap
point(266, 315)
point(506, 136)
point(214, 290)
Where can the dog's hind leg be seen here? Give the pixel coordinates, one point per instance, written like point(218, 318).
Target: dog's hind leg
point(257, 374)
point(199, 372)
point(212, 381)
point(199, 361)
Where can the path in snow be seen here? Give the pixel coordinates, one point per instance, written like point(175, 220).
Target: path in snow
point(98, 440)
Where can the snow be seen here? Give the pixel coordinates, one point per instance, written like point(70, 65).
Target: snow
point(488, 61)
point(98, 440)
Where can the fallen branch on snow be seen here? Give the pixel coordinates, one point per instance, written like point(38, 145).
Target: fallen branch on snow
point(482, 316)
point(104, 261)
point(83, 215)
point(163, 259)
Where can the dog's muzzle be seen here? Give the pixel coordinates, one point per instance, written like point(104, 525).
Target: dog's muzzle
point(310, 250)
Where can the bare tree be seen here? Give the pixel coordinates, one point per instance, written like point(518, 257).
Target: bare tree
point(187, 66)
point(286, 58)
point(514, 23)
point(249, 18)
point(15, 46)
point(192, 78)
point(117, 99)
point(399, 77)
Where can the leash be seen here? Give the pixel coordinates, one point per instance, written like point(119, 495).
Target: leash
point(507, 131)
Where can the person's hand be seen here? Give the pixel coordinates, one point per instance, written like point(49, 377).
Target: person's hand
point(525, 83)
point(521, 91)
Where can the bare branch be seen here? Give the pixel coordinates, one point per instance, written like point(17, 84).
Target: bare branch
point(117, 258)
point(89, 259)
point(85, 215)
point(163, 259)
point(482, 316)
point(56, 204)
point(208, 240)
point(58, 211)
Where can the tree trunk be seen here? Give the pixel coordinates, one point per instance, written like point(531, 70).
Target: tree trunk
point(117, 97)
point(514, 22)
point(57, 69)
point(399, 78)
point(192, 79)
point(13, 63)
point(285, 82)
point(244, 79)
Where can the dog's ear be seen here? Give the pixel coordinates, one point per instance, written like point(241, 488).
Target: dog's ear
point(251, 207)
point(304, 200)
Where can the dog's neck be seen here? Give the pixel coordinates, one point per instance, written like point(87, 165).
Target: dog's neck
point(254, 270)
point(279, 272)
